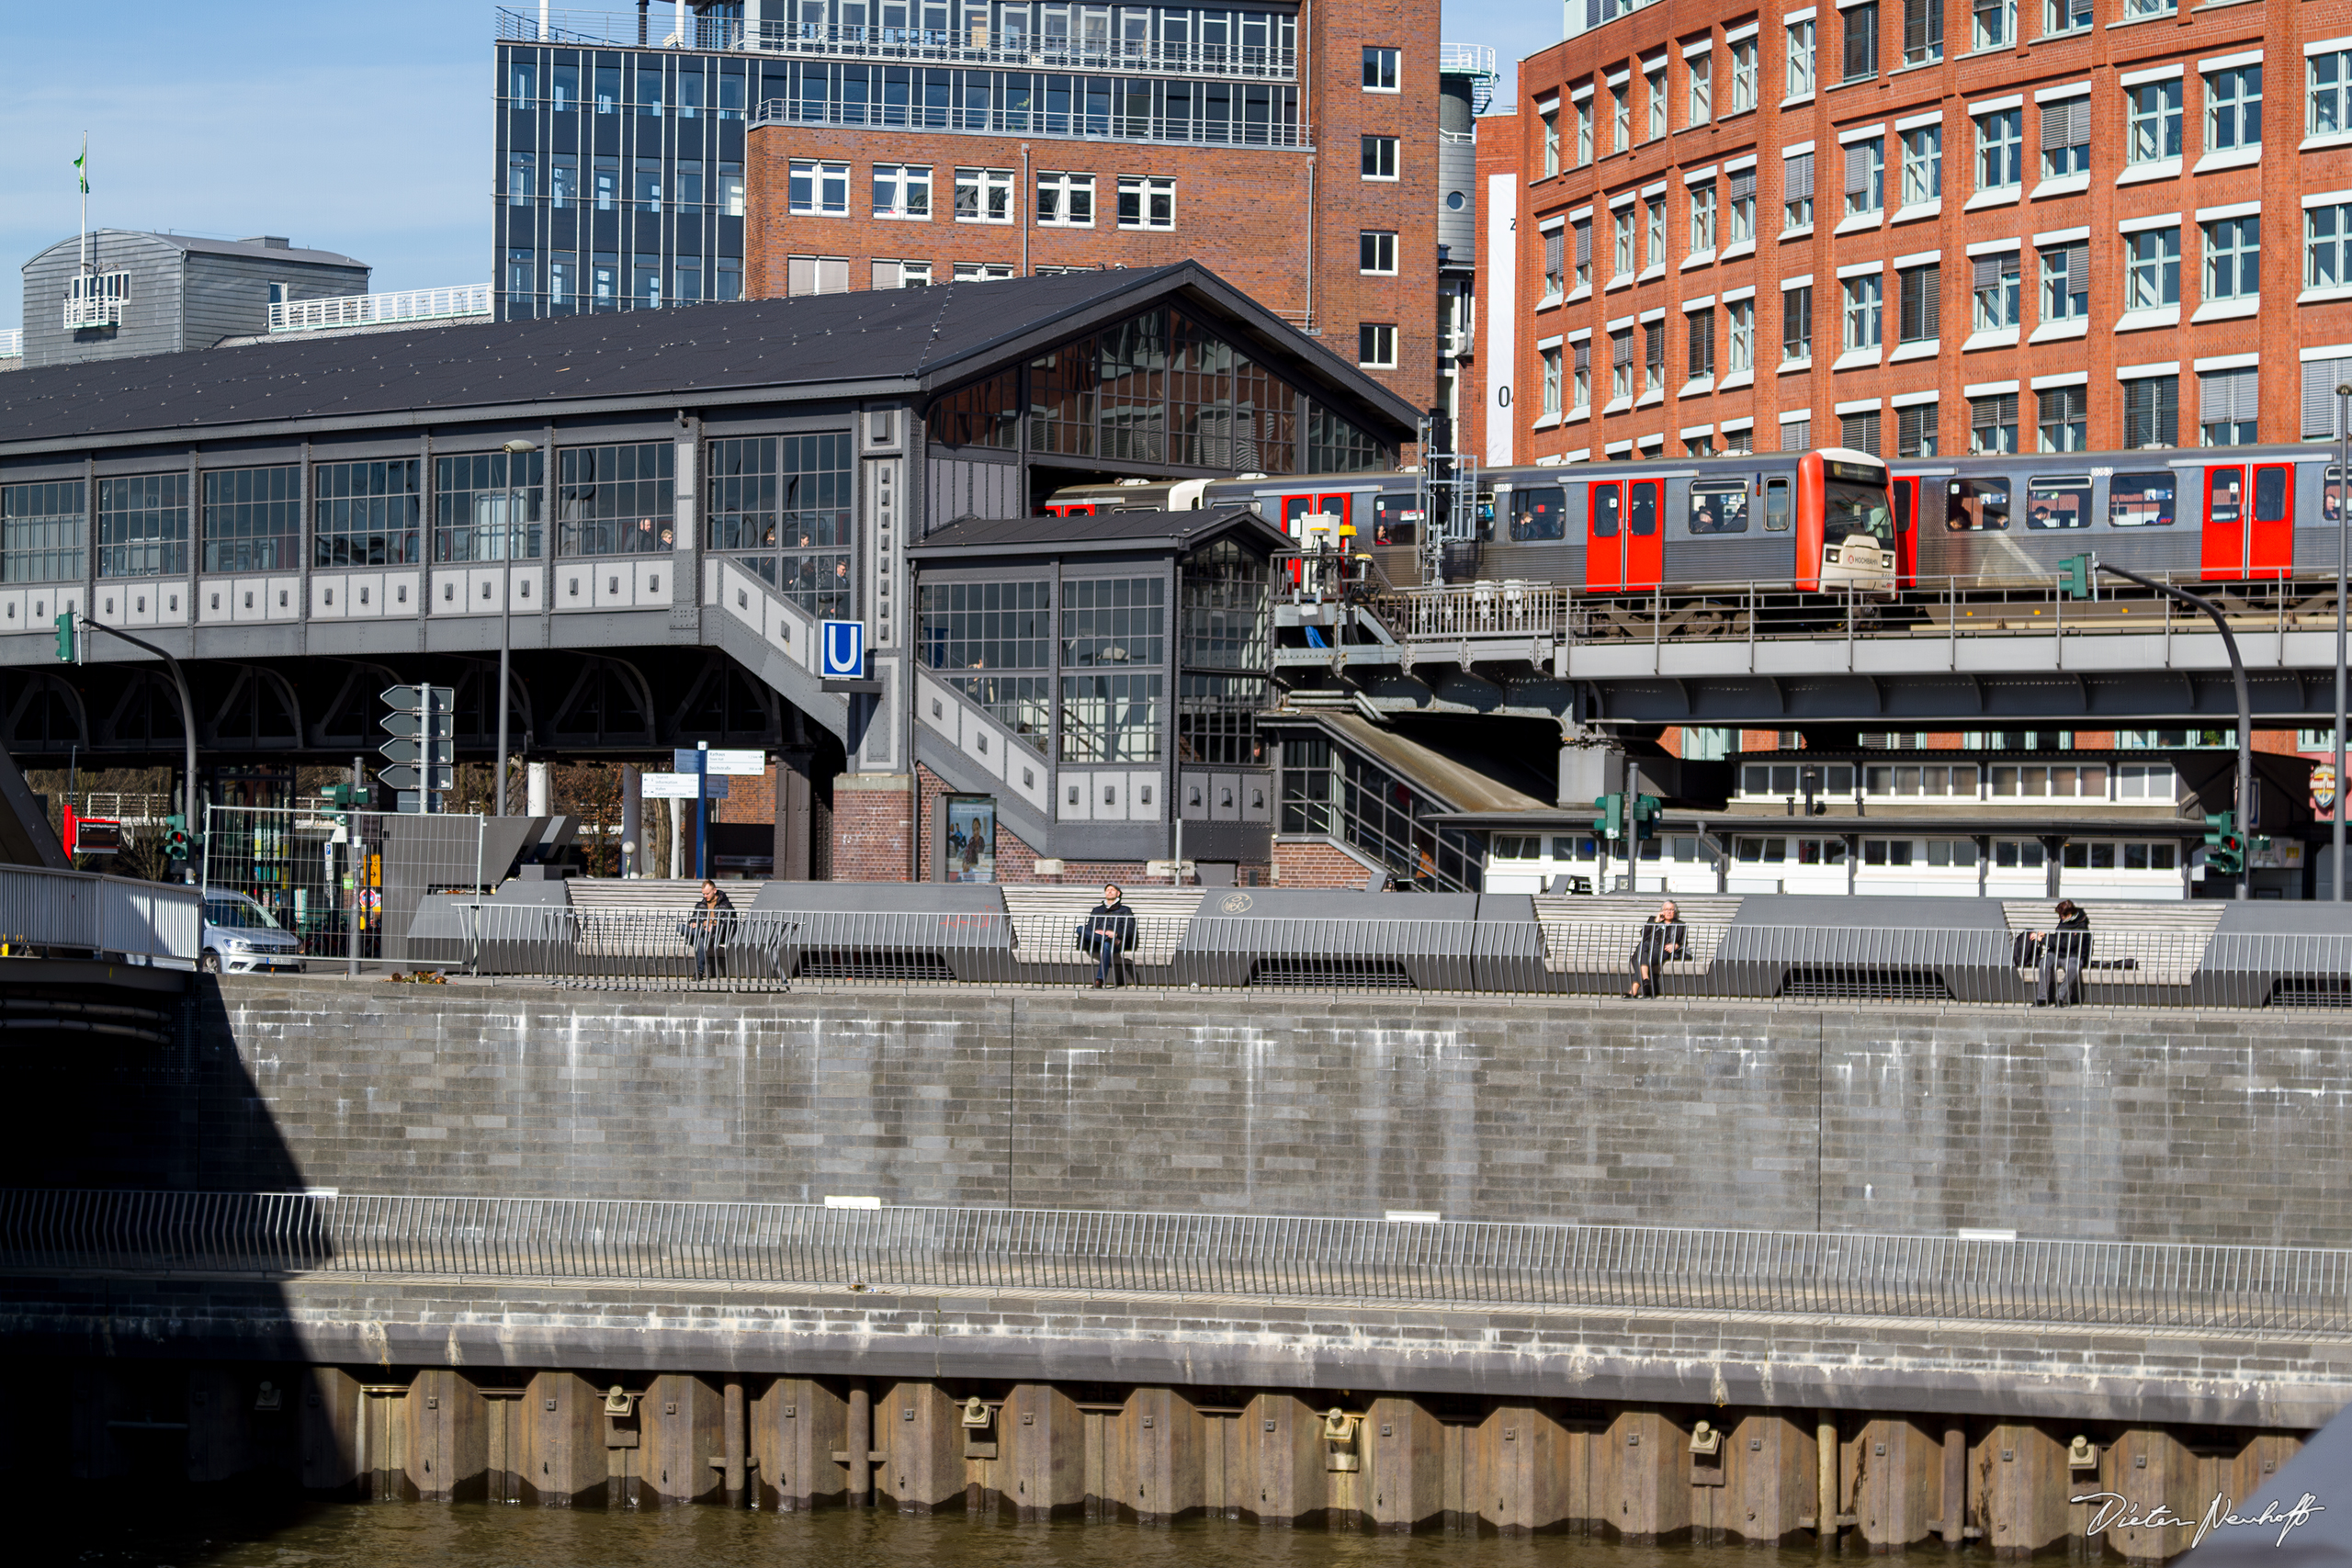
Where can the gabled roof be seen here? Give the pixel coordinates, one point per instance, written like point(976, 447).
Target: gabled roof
point(701, 356)
point(207, 246)
point(1108, 530)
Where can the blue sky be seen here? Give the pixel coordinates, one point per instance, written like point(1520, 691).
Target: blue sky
point(359, 129)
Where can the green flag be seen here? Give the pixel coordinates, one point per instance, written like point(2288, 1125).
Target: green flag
point(81, 165)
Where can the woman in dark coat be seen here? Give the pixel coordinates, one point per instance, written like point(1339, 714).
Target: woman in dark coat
point(2066, 948)
point(1663, 939)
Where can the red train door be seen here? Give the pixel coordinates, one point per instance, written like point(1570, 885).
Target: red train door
point(2270, 537)
point(1646, 534)
point(1905, 495)
point(2222, 559)
point(1336, 506)
point(1604, 537)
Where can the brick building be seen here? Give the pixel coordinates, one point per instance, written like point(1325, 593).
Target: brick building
point(1922, 228)
point(1295, 151)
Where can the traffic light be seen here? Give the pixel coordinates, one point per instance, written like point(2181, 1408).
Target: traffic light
point(2224, 845)
point(1610, 826)
point(1647, 809)
point(66, 637)
point(2079, 577)
point(176, 842)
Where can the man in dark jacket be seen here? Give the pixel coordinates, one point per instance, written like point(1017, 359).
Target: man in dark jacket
point(2066, 948)
point(1663, 938)
point(711, 924)
point(1109, 931)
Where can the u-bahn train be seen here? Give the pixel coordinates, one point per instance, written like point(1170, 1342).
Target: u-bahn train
point(1829, 522)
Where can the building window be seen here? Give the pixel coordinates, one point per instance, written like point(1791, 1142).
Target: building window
point(2233, 258)
point(2151, 269)
point(901, 275)
point(2065, 16)
point(2152, 122)
point(1584, 254)
point(1376, 347)
point(982, 272)
point(2228, 405)
point(1739, 321)
point(1921, 308)
point(558, 283)
point(1796, 436)
point(2000, 147)
point(604, 280)
point(815, 189)
point(780, 505)
point(1551, 357)
point(563, 181)
point(1380, 157)
point(1923, 165)
point(1992, 427)
point(1796, 192)
point(361, 515)
point(252, 519)
point(1376, 253)
point(645, 193)
point(1379, 70)
point(1861, 40)
point(1699, 71)
point(2151, 413)
point(1653, 356)
point(1740, 215)
point(521, 275)
point(814, 274)
point(984, 196)
point(1923, 31)
point(1796, 325)
point(2066, 139)
point(729, 280)
point(1743, 74)
point(1621, 365)
point(1580, 388)
point(1865, 177)
point(2327, 246)
point(1653, 238)
point(1114, 631)
point(1699, 329)
point(1555, 260)
point(616, 499)
point(1702, 218)
point(2327, 109)
point(901, 190)
point(1620, 98)
point(1995, 24)
point(1552, 144)
point(1914, 431)
point(1584, 131)
point(1147, 202)
point(40, 532)
point(1622, 222)
point(1860, 432)
point(1997, 292)
point(143, 525)
point(1864, 297)
point(2234, 109)
point(1065, 200)
point(686, 280)
point(2063, 418)
point(521, 176)
point(607, 176)
point(486, 506)
point(2067, 282)
point(1800, 59)
point(1653, 89)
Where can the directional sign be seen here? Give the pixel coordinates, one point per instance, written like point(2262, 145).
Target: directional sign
point(444, 723)
point(744, 764)
point(843, 643)
point(402, 776)
point(681, 786)
point(438, 751)
point(412, 698)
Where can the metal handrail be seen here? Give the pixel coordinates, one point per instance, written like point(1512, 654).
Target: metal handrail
point(1075, 124)
point(2153, 1284)
point(84, 914)
point(364, 310)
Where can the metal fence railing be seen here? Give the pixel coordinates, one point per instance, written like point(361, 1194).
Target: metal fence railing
point(2150, 1284)
point(307, 866)
point(82, 914)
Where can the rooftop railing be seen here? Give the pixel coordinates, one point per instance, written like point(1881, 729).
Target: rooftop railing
point(370, 309)
point(12, 342)
point(1000, 120)
point(978, 45)
point(1421, 1263)
point(80, 914)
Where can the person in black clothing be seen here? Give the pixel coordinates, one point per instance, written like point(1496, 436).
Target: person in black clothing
point(712, 922)
point(2065, 949)
point(1109, 931)
point(1663, 939)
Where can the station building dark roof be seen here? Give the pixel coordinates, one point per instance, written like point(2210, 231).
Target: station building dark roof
point(1127, 530)
point(914, 340)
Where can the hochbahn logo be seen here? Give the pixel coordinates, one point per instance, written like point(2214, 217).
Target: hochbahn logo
point(2115, 1511)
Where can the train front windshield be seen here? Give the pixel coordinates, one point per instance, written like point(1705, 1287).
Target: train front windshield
point(1848, 508)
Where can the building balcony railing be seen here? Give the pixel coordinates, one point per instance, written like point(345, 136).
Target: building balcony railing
point(1466, 59)
point(1000, 120)
point(12, 343)
point(97, 311)
point(366, 310)
point(968, 46)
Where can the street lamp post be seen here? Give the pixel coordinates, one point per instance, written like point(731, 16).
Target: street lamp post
point(2343, 504)
point(515, 451)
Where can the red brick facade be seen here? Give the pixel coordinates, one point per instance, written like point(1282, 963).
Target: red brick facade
point(1319, 863)
point(2029, 76)
point(872, 819)
point(1281, 223)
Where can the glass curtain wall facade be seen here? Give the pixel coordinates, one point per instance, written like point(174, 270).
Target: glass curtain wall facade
point(1328, 791)
point(1225, 593)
